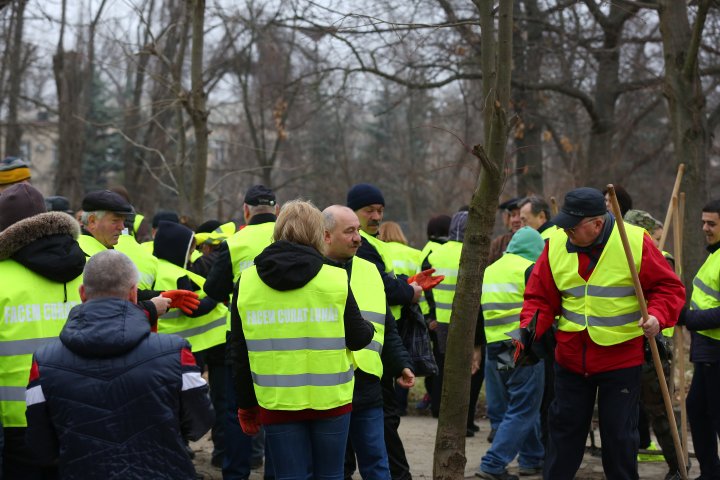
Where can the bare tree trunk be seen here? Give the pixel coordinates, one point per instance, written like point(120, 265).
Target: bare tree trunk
point(198, 112)
point(449, 461)
point(600, 155)
point(688, 118)
point(13, 134)
point(527, 53)
point(132, 156)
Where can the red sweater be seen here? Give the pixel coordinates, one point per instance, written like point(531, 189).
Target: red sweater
point(575, 351)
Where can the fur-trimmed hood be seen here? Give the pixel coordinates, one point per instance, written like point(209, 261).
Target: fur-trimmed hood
point(46, 244)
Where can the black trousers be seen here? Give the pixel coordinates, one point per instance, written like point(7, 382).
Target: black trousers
point(399, 468)
point(571, 411)
point(704, 415)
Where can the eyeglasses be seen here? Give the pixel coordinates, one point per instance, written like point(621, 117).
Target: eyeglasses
point(572, 229)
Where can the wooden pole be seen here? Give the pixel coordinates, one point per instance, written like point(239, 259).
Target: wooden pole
point(679, 334)
point(553, 206)
point(651, 341)
point(668, 215)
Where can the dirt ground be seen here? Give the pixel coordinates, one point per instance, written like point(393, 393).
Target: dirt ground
point(418, 433)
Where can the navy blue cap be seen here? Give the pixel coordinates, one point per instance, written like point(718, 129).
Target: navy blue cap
point(364, 194)
point(583, 202)
point(58, 203)
point(105, 200)
point(260, 195)
point(511, 204)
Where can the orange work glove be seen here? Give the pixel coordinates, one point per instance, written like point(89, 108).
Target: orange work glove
point(519, 347)
point(248, 419)
point(185, 300)
point(425, 279)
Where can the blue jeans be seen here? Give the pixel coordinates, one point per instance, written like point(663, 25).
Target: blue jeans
point(313, 449)
point(519, 395)
point(367, 437)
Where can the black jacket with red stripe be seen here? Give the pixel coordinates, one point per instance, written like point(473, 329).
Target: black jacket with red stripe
point(110, 399)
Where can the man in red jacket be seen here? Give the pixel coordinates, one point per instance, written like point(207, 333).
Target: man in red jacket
point(583, 279)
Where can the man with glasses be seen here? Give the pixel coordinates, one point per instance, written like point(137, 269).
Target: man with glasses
point(582, 277)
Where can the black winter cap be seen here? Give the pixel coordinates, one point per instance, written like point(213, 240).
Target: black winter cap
point(58, 203)
point(259, 195)
point(105, 200)
point(164, 216)
point(364, 194)
point(583, 202)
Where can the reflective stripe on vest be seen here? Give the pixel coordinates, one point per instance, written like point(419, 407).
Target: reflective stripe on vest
point(369, 293)
point(202, 332)
point(145, 262)
point(319, 377)
point(34, 310)
point(387, 259)
point(706, 290)
point(247, 244)
point(606, 304)
point(446, 261)
point(502, 296)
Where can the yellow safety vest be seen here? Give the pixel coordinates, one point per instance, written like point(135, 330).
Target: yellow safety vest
point(706, 290)
point(405, 259)
point(502, 296)
point(296, 341)
point(90, 245)
point(429, 247)
point(387, 259)
point(605, 305)
point(137, 221)
point(202, 332)
point(146, 263)
point(549, 232)
point(446, 261)
point(247, 244)
point(34, 312)
point(369, 292)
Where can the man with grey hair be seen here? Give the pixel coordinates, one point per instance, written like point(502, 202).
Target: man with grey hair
point(108, 390)
point(535, 213)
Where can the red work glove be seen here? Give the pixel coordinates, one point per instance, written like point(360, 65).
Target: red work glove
point(425, 279)
point(185, 300)
point(249, 420)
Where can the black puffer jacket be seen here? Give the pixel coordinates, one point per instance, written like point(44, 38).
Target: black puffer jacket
point(109, 399)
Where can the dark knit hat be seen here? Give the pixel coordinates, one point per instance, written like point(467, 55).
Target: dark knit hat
point(105, 200)
point(164, 216)
point(13, 170)
point(583, 202)
point(364, 194)
point(58, 203)
point(19, 202)
point(259, 195)
point(438, 226)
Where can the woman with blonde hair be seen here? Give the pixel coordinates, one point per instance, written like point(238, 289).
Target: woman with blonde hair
point(293, 320)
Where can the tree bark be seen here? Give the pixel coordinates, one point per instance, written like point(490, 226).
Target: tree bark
point(688, 118)
point(13, 133)
point(198, 112)
point(449, 461)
